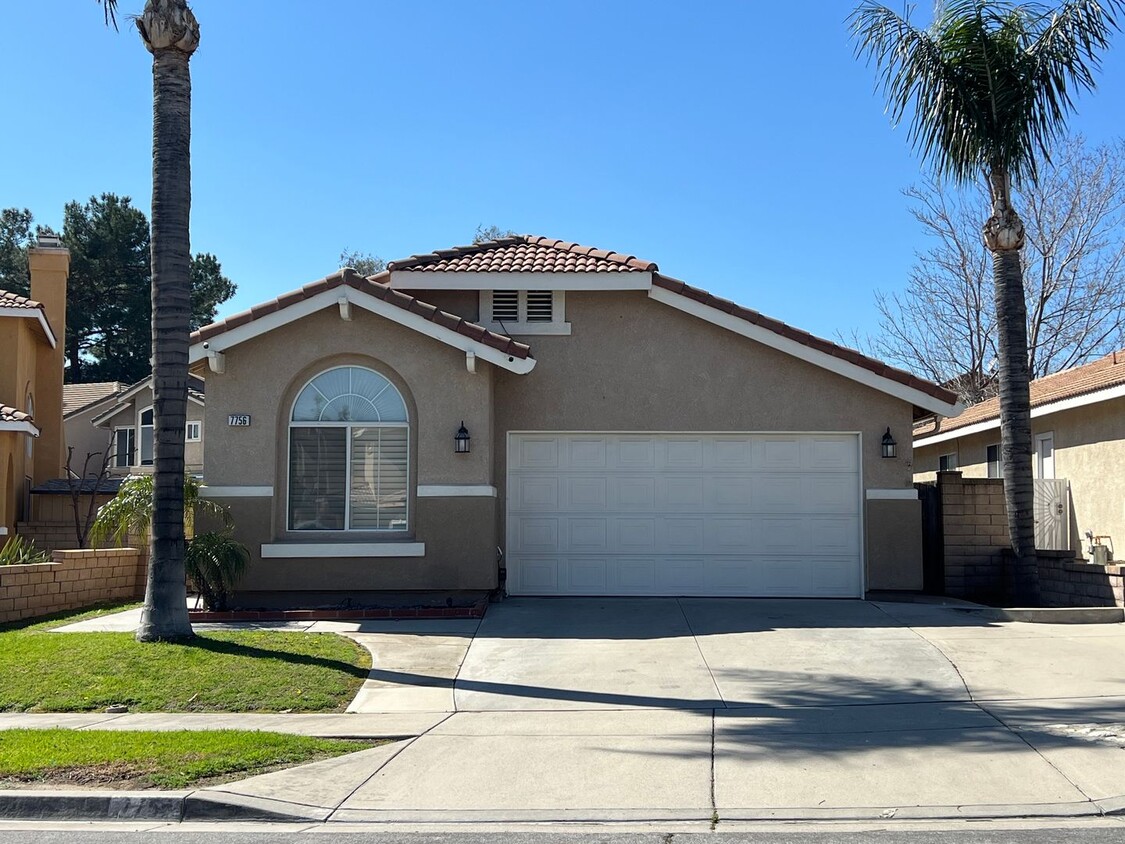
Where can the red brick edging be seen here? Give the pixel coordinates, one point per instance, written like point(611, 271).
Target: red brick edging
point(475, 611)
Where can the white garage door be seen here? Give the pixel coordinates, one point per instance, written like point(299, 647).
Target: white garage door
point(684, 514)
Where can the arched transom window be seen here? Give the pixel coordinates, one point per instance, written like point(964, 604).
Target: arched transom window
point(348, 453)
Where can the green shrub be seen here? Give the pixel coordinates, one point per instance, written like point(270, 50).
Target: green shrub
point(214, 562)
point(22, 552)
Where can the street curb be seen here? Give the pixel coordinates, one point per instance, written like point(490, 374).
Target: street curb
point(1053, 615)
point(169, 806)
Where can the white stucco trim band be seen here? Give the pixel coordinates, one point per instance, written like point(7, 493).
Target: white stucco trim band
point(416, 280)
point(291, 550)
point(20, 428)
point(1036, 412)
point(456, 491)
point(331, 298)
point(32, 313)
point(892, 495)
point(803, 352)
point(236, 491)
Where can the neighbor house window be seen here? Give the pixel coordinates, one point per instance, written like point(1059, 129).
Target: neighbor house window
point(348, 453)
point(947, 462)
point(995, 462)
point(124, 445)
point(194, 432)
point(146, 437)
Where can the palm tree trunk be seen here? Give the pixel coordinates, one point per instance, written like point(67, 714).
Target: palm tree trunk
point(1004, 237)
point(171, 35)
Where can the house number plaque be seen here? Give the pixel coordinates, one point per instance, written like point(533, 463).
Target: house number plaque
point(239, 420)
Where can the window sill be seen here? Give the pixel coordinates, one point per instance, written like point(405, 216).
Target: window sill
point(540, 328)
point(290, 550)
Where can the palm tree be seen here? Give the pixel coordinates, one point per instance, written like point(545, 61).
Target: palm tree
point(989, 85)
point(170, 32)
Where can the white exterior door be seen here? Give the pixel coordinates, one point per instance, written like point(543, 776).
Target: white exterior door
point(684, 514)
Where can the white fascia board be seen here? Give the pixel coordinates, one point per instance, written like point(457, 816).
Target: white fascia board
point(32, 313)
point(456, 491)
point(331, 298)
point(236, 491)
point(892, 494)
point(20, 428)
point(1107, 394)
point(803, 352)
point(291, 550)
point(414, 280)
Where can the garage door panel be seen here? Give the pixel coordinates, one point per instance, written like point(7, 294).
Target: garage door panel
point(715, 514)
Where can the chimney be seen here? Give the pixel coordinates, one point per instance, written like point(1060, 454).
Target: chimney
point(49, 263)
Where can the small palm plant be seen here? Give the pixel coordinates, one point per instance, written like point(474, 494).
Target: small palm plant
point(22, 552)
point(214, 561)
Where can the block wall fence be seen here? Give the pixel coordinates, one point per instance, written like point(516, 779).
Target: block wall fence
point(74, 579)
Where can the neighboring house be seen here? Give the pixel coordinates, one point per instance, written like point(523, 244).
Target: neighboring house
point(127, 424)
point(32, 331)
point(1078, 434)
point(81, 404)
point(559, 414)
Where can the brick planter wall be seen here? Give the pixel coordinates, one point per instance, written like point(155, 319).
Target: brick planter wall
point(48, 536)
point(75, 579)
point(1064, 582)
point(978, 557)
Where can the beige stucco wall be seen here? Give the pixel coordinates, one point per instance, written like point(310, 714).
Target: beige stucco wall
point(630, 364)
point(1089, 452)
point(634, 364)
point(20, 343)
point(84, 438)
point(459, 533)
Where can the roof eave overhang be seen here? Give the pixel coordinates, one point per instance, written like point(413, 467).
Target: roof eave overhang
point(123, 404)
point(916, 397)
point(21, 427)
point(441, 280)
point(331, 298)
point(36, 314)
point(1045, 409)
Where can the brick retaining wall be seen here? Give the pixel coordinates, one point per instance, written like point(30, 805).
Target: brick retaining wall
point(49, 536)
point(978, 557)
point(75, 579)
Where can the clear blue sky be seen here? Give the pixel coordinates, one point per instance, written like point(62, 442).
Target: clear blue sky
point(737, 144)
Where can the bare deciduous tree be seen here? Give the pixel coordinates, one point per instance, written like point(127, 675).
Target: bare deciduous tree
point(943, 326)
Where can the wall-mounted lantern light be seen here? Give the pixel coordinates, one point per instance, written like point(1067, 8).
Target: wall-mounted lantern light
point(890, 447)
point(461, 440)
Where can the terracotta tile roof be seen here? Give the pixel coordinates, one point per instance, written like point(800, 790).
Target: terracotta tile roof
point(1070, 383)
point(523, 253)
point(77, 397)
point(376, 287)
point(11, 300)
point(10, 414)
point(804, 338)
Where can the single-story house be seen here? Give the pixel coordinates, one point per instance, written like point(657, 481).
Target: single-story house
point(126, 423)
point(553, 419)
point(1078, 434)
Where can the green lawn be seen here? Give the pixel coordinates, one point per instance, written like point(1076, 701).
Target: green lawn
point(139, 759)
point(236, 671)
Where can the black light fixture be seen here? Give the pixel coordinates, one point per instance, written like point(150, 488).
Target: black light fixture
point(890, 447)
point(461, 440)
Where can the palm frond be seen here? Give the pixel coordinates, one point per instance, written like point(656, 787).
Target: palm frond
point(110, 9)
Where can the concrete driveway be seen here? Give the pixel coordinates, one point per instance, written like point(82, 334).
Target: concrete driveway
point(650, 710)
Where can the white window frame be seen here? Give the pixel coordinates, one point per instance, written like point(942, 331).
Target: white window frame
point(1039, 440)
point(557, 326)
point(999, 461)
point(198, 431)
point(140, 461)
point(129, 457)
point(952, 454)
point(388, 532)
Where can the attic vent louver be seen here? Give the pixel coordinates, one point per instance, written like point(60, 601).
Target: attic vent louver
point(539, 306)
point(505, 306)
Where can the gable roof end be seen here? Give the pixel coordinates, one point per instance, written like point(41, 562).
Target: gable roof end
point(416, 313)
point(13, 305)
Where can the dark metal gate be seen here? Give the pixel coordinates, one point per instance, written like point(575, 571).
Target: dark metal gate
point(933, 543)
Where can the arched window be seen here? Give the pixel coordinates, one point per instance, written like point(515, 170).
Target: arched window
point(30, 440)
point(348, 453)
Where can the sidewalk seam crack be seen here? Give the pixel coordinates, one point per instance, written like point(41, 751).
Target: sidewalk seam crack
point(461, 664)
point(703, 659)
